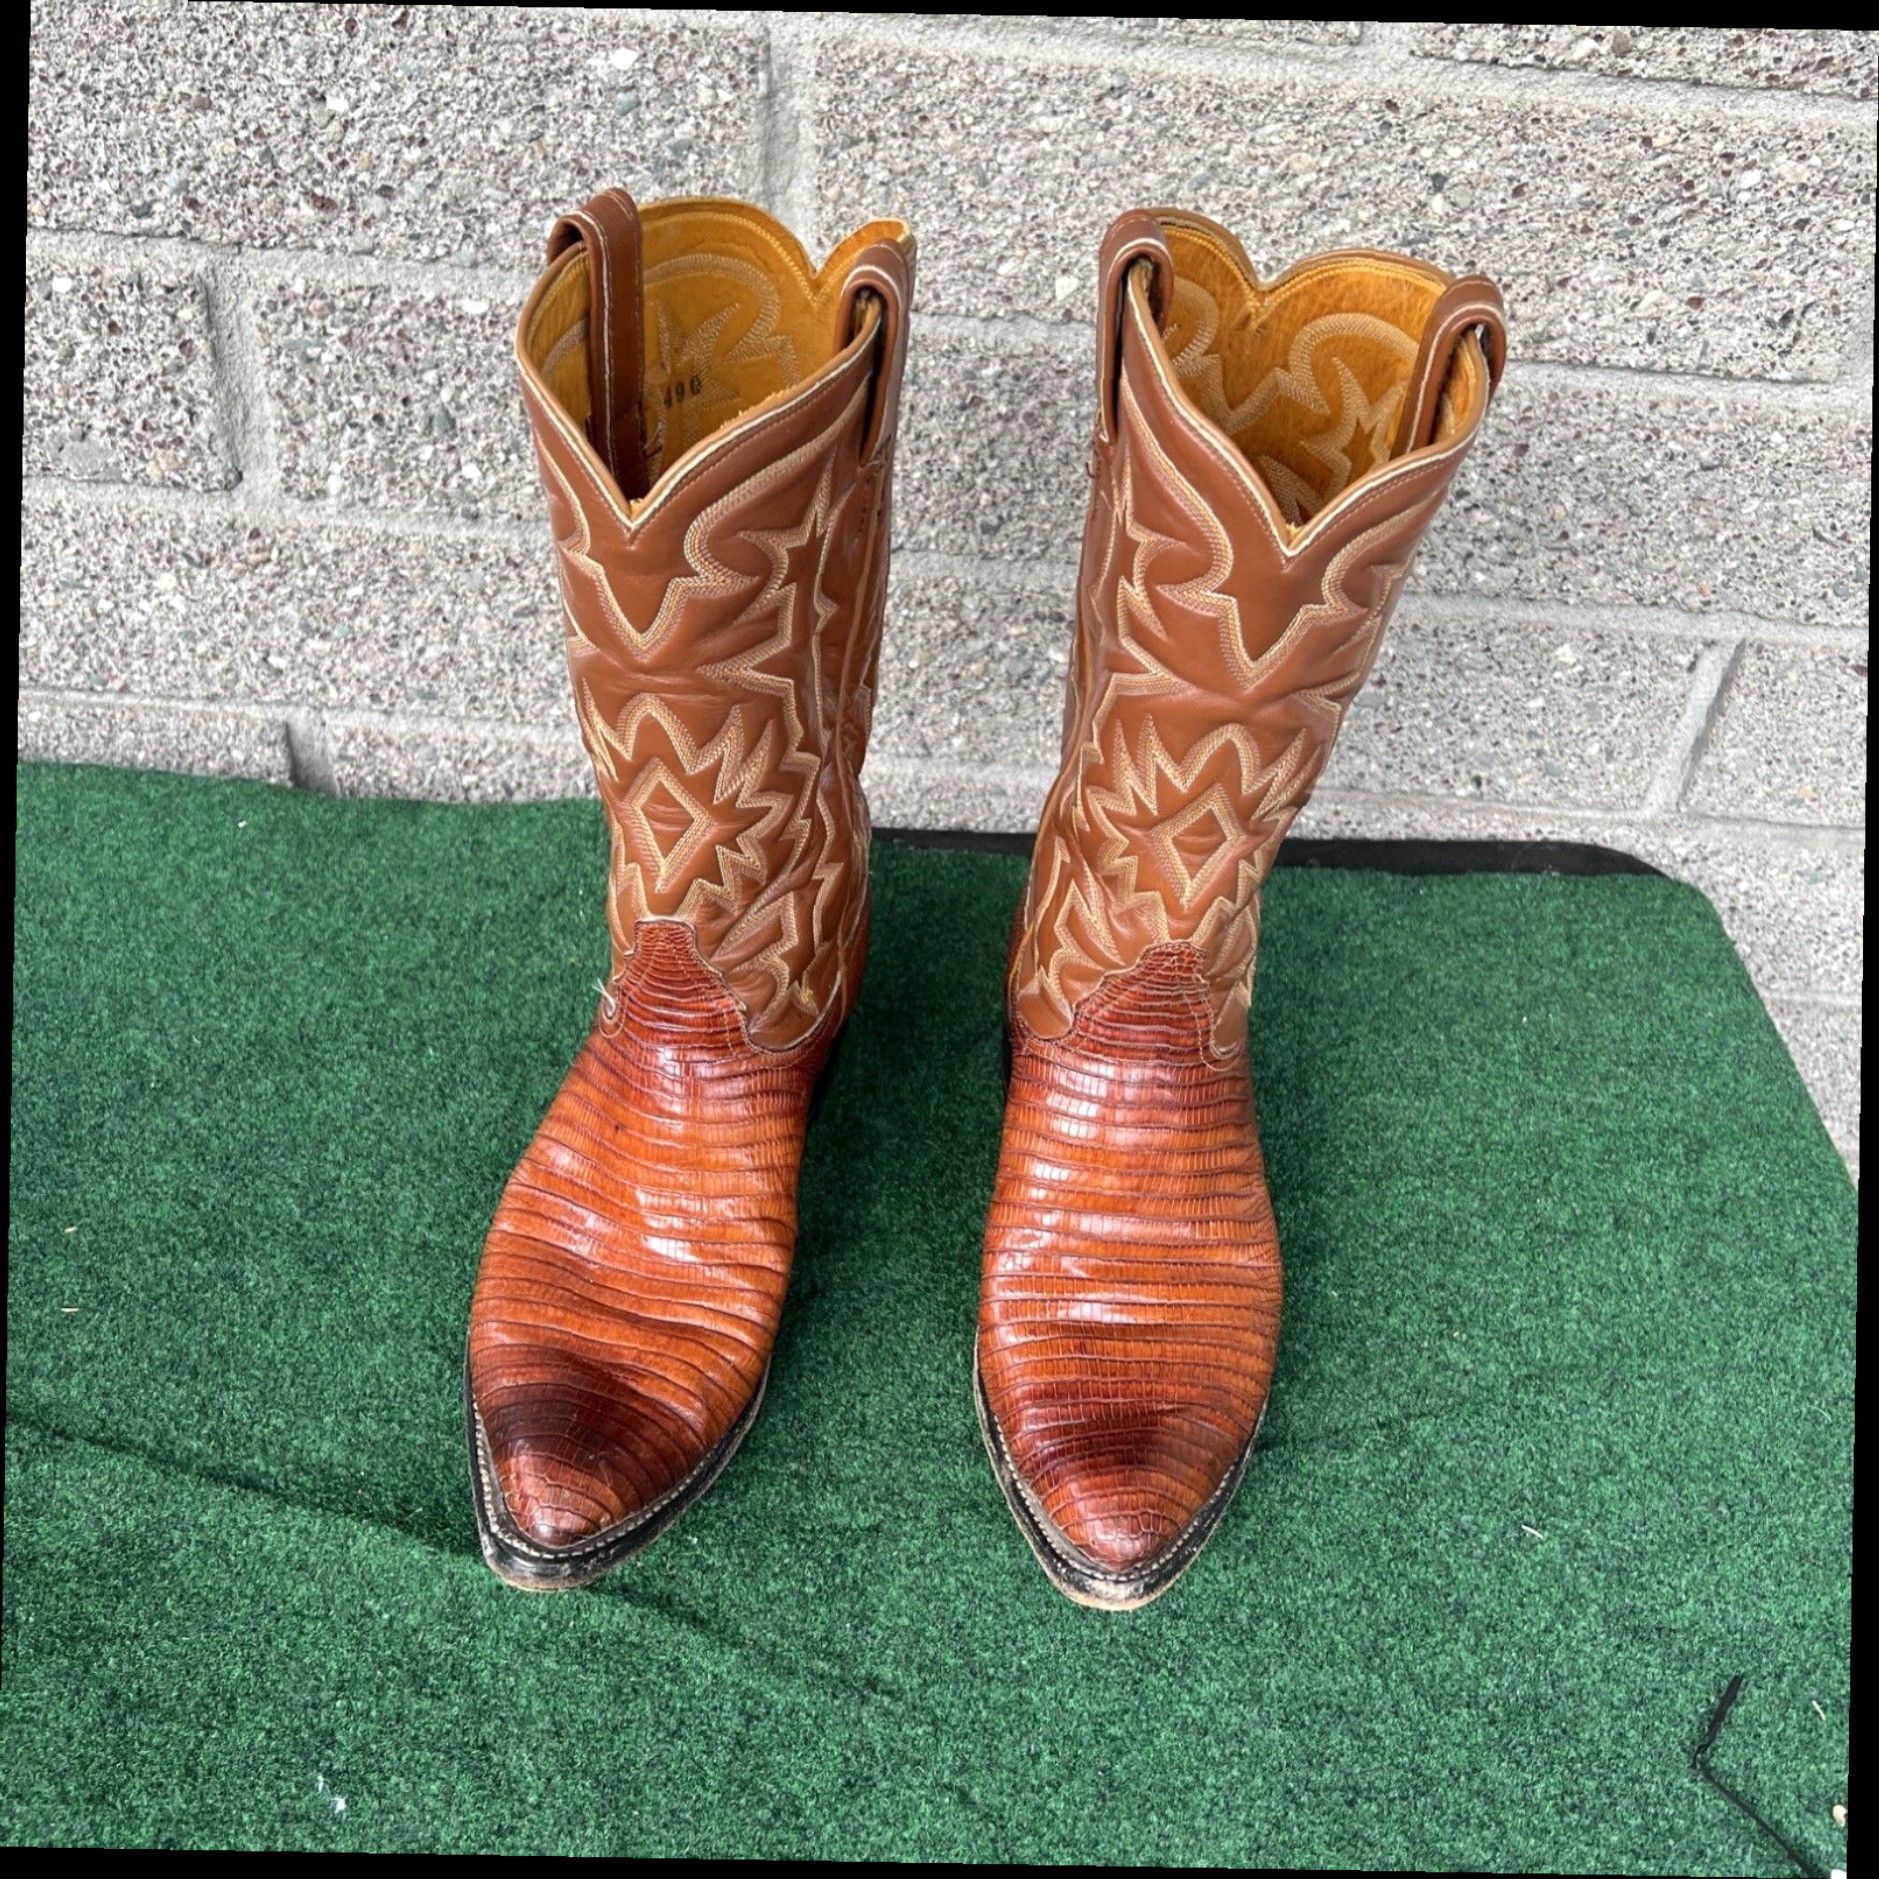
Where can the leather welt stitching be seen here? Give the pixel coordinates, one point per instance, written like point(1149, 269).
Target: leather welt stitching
point(516, 1540)
point(1179, 1550)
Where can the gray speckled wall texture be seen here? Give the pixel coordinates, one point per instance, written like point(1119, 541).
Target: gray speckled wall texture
point(279, 518)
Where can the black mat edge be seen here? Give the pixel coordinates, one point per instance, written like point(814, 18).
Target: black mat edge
point(1419, 856)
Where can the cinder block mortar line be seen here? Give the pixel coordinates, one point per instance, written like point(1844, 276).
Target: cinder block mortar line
point(790, 159)
point(725, 19)
point(995, 37)
point(1859, 362)
point(312, 724)
point(1355, 69)
point(1069, 337)
point(315, 517)
point(1436, 607)
point(241, 396)
point(309, 758)
point(1651, 622)
point(1848, 392)
point(1822, 838)
point(312, 517)
point(153, 701)
point(428, 723)
point(1388, 42)
point(1816, 837)
point(115, 498)
point(78, 247)
point(1466, 814)
point(1391, 45)
point(431, 723)
point(1683, 748)
point(1830, 1001)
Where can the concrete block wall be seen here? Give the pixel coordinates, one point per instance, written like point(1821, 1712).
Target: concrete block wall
point(279, 518)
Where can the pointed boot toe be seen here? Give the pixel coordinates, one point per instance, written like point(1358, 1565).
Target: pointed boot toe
point(1116, 1504)
point(1131, 1495)
point(575, 1471)
point(580, 1452)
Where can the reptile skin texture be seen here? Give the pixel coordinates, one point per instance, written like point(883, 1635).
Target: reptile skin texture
point(1266, 459)
point(714, 421)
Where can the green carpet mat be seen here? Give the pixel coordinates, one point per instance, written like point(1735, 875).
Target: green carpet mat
point(1561, 1438)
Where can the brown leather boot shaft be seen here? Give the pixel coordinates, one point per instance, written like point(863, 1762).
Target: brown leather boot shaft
point(714, 421)
point(1267, 458)
point(723, 625)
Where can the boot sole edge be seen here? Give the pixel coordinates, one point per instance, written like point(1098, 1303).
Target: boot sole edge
point(530, 1566)
point(1076, 1578)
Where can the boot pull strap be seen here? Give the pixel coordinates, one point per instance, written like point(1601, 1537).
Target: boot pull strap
point(1134, 236)
point(882, 273)
point(608, 228)
point(1471, 304)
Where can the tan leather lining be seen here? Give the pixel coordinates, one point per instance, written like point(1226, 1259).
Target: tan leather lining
point(734, 315)
point(1308, 375)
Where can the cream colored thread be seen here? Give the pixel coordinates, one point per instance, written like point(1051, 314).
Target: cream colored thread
point(745, 886)
point(1289, 544)
point(1085, 896)
point(763, 338)
point(695, 461)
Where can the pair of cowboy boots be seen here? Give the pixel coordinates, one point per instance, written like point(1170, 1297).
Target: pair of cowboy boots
point(715, 423)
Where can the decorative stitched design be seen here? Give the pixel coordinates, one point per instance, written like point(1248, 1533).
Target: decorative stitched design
point(714, 348)
point(1309, 423)
point(722, 744)
point(1189, 758)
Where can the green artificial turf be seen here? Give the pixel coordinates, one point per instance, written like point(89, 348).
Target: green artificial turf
point(1561, 1438)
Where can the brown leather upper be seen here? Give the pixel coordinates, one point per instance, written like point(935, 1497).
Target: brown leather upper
point(714, 422)
point(1266, 459)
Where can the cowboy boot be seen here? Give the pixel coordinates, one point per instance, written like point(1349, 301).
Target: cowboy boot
point(1266, 459)
point(714, 423)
